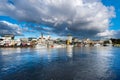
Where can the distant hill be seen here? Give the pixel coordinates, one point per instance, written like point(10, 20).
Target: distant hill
point(115, 41)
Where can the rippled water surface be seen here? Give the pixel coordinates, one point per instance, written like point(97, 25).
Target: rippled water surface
point(90, 63)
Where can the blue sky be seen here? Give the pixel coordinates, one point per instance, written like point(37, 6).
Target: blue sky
point(58, 18)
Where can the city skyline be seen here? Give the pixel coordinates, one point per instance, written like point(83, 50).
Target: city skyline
point(80, 18)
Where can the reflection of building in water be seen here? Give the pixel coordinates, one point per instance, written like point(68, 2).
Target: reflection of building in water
point(9, 51)
point(69, 51)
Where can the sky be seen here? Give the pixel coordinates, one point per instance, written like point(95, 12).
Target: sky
point(95, 19)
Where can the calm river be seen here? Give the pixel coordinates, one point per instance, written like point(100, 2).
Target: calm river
point(90, 63)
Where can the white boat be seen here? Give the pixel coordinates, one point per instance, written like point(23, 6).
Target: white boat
point(97, 45)
point(2, 43)
point(87, 45)
point(18, 44)
point(41, 46)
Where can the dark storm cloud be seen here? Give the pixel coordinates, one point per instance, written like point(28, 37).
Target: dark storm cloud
point(9, 28)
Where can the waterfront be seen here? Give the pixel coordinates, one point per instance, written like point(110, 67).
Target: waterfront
point(85, 63)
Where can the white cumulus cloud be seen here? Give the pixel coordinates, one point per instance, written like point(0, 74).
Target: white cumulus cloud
point(77, 17)
point(107, 34)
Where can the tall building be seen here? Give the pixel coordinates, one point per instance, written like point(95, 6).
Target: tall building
point(69, 39)
point(41, 40)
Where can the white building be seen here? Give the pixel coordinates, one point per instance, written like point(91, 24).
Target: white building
point(8, 37)
point(69, 38)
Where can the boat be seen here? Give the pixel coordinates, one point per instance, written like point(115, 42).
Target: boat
point(41, 46)
point(96, 45)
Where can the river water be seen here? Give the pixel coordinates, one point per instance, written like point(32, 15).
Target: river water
point(85, 63)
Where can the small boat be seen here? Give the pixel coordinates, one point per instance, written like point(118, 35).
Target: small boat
point(97, 45)
point(41, 46)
